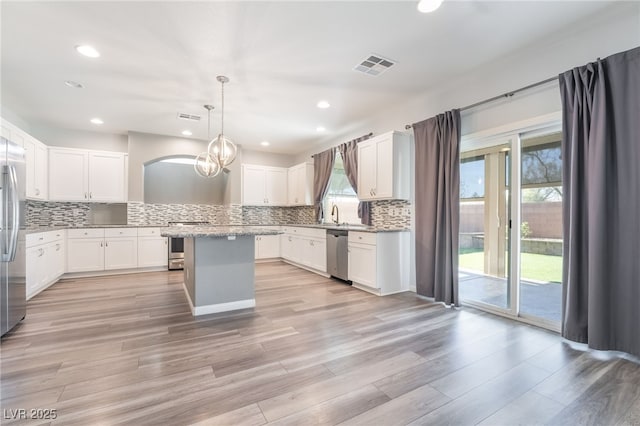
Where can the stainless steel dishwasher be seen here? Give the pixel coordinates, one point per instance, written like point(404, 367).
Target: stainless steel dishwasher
point(337, 254)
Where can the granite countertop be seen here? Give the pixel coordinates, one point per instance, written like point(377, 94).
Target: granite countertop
point(263, 228)
point(37, 229)
point(347, 227)
point(191, 231)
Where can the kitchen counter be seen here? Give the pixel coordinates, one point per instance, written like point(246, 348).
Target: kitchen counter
point(347, 227)
point(211, 231)
point(37, 229)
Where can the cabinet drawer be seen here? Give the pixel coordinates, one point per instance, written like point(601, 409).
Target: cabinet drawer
point(35, 239)
point(85, 233)
point(148, 232)
point(120, 232)
point(308, 232)
point(362, 237)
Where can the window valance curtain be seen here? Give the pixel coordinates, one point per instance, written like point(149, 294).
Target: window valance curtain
point(601, 187)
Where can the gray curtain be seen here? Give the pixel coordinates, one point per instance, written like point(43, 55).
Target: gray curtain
point(601, 210)
point(349, 153)
point(437, 162)
point(322, 167)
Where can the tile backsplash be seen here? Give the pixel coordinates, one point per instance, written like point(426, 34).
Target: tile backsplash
point(395, 214)
point(385, 214)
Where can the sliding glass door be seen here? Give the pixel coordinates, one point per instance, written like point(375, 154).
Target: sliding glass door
point(510, 259)
point(541, 228)
point(484, 232)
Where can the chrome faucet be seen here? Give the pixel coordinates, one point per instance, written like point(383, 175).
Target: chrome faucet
point(334, 208)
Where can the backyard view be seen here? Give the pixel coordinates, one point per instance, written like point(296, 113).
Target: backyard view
point(485, 237)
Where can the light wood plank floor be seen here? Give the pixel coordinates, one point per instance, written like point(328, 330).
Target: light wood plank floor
point(126, 350)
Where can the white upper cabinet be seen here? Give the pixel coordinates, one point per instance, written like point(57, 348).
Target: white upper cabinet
point(384, 167)
point(79, 175)
point(35, 153)
point(107, 174)
point(300, 186)
point(264, 186)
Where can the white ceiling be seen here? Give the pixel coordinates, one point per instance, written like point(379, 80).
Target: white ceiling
point(161, 58)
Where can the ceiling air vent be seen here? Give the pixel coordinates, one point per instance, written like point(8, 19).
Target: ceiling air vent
point(374, 65)
point(189, 117)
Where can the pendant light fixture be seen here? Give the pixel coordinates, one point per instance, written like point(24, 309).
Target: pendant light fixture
point(206, 165)
point(223, 150)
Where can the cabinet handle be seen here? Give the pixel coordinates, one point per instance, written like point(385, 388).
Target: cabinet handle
point(165, 242)
point(106, 244)
point(41, 238)
point(57, 247)
point(85, 195)
point(91, 195)
point(101, 244)
point(311, 242)
point(37, 191)
point(41, 252)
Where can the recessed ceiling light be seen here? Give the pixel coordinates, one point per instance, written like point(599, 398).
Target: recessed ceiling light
point(264, 143)
point(187, 132)
point(73, 84)
point(323, 104)
point(426, 6)
point(88, 51)
point(97, 121)
point(320, 129)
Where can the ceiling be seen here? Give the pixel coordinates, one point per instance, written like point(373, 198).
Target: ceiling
point(161, 58)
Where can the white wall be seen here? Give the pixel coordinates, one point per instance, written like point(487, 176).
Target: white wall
point(82, 139)
point(14, 119)
point(145, 147)
point(267, 158)
point(616, 30)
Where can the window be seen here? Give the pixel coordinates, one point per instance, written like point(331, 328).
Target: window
point(341, 194)
point(472, 177)
point(541, 172)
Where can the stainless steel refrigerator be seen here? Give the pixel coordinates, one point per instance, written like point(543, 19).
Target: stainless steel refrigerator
point(12, 235)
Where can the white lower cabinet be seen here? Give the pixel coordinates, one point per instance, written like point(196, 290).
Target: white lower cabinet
point(305, 246)
point(45, 257)
point(152, 248)
point(267, 246)
point(379, 262)
point(99, 249)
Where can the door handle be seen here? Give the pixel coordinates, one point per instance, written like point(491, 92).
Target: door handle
point(10, 255)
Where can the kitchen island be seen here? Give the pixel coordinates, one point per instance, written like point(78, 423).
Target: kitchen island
point(219, 266)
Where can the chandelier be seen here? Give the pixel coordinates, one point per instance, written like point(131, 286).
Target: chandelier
point(221, 151)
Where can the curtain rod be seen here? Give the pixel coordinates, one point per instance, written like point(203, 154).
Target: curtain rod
point(368, 135)
point(505, 95)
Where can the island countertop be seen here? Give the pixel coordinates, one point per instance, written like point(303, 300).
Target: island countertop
point(192, 231)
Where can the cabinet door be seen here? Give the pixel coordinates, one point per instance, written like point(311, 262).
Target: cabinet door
point(106, 177)
point(152, 251)
point(286, 246)
point(253, 186)
point(121, 253)
point(30, 167)
point(40, 171)
point(317, 255)
point(276, 186)
point(58, 259)
point(269, 246)
point(293, 192)
point(362, 261)
point(384, 168)
point(85, 254)
point(35, 269)
point(68, 171)
point(367, 157)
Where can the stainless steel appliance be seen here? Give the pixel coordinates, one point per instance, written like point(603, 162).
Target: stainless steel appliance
point(176, 247)
point(337, 253)
point(12, 236)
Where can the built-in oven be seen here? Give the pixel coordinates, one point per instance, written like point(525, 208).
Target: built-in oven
point(176, 246)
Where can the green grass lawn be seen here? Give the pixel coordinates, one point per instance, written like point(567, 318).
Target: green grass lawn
point(538, 267)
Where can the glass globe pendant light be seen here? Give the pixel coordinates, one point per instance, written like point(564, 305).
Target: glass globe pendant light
point(206, 164)
point(223, 150)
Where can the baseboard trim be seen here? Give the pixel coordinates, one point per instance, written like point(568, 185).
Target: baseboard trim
point(218, 307)
point(306, 268)
point(105, 273)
